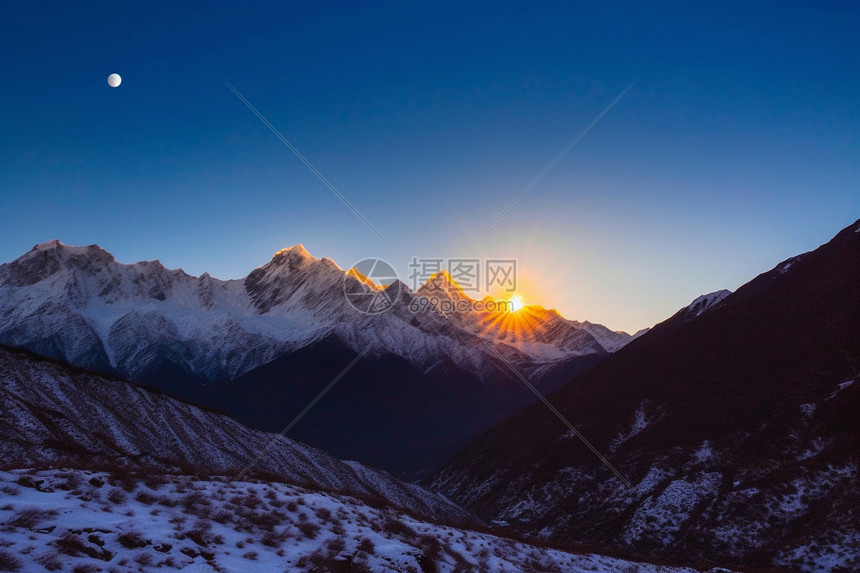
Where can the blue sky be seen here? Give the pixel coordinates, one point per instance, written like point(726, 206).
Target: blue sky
point(736, 148)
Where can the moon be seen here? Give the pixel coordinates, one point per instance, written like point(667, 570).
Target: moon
point(114, 80)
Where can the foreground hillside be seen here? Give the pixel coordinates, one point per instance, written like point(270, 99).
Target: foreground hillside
point(161, 489)
point(737, 428)
point(73, 520)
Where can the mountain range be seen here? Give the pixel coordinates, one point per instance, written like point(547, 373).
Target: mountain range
point(262, 347)
point(728, 432)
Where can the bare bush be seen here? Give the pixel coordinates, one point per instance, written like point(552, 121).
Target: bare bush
point(132, 540)
point(394, 526)
point(30, 517)
point(146, 498)
point(308, 529)
point(9, 562)
point(366, 545)
point(274, 538)
point(116, 496)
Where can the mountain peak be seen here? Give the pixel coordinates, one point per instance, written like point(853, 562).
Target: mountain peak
point(298, 250)
point(51, 245)
point(442, 282)
point(60, 251)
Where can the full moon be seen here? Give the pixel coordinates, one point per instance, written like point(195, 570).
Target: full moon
point(114, 80)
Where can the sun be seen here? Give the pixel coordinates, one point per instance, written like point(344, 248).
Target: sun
point(516, 302)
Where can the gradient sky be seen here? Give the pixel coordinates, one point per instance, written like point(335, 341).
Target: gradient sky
point(736, 148)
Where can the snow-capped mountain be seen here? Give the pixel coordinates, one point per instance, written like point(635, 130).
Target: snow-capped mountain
point(80, 305)
point(262, 347)
point(735, 422)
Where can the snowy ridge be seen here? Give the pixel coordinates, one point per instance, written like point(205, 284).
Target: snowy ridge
point(705, 302)
point(782, 267)
point(52, 415)
point(80, 305)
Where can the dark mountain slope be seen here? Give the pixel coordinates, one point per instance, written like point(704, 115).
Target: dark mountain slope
point(738, 430)
point(382, 410)
point(53, 415)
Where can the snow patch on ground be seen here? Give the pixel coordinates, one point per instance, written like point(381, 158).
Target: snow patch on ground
point(659, 519)
point(640, 422)
point(83, 520)
point(840, 388)
point(837, 552)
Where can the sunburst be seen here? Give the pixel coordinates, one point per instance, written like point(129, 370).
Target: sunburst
point(516, 302)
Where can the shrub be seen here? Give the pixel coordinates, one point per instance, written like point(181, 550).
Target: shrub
point(308, 529)
point(146, 498)
point(124, 478)
point(155, 481)
point(73, 481)
point(190, 552)
point(132, 540)
point(194, 500)
point(9, 562)
point(116, 496)
point(431, 546)
point(335, 546)
point(27, 481)
point(198, 535)
point(394, 526)
point(50, 562)
point(274, 538)
point(266, 519)
point(30, 517)
point(366, 545)
point(71, 544)
point(222, 516)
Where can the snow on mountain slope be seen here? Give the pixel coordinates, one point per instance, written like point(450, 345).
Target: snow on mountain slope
point(80, 305)
point(77, 520)
point(53, 414)
point(611, 340)
point(702, 304)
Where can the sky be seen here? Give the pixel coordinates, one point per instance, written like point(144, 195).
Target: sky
point(736, 147)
